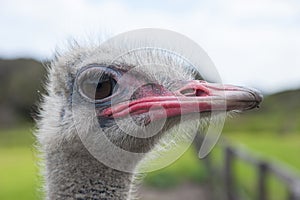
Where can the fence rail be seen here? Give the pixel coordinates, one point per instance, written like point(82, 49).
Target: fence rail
point(263, 167)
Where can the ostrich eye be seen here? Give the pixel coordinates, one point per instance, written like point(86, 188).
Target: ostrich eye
point(96, 82)
point(98, 90)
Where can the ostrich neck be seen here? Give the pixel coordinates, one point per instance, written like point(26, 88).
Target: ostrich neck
point(72, 173)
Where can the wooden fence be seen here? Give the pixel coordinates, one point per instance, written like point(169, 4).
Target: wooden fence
point(264, 169)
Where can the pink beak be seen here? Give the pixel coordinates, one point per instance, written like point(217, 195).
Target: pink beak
point(194, 97)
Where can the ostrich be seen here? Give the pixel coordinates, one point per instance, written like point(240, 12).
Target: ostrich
point(85, 81)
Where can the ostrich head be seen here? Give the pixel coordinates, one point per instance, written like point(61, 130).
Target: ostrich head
point(97, 104)
point(127, 101)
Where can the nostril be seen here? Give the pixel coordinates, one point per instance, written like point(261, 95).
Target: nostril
point(193, 92)
point(188, 92)
point(200, 93)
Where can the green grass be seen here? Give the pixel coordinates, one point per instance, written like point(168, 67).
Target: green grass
point(17, 137)
point(18, 171)
point(276, 147)
point(282, 149)
point(18, 174)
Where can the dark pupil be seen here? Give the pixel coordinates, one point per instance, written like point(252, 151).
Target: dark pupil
point(104, 89)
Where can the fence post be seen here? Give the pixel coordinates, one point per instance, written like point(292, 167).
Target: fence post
point(292, 195)
point(228, 173)
point(208, 166)
point(294, 191)
point(262, 180)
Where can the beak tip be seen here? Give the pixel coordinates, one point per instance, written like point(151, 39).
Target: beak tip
point(258, 95)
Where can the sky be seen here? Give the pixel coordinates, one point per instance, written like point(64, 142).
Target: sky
point(252, 42)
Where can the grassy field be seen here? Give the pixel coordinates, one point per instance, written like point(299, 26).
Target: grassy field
point(19, 173)
point(275, 147)
point(18, 168)
point(278, 149)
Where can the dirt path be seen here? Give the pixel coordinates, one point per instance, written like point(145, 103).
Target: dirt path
point(185, 191)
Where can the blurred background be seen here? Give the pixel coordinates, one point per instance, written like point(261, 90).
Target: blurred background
point(253, 43)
